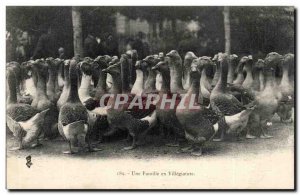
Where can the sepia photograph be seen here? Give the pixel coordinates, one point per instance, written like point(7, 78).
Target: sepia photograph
point(150, 97)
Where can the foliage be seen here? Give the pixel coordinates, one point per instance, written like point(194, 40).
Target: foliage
point(255, 30)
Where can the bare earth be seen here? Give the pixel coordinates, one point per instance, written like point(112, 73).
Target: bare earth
point(231, 164)
point(283, 139)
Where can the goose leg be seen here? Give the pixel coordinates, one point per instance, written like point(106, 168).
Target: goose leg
point(248, 134)
point(197, 151)
point(219, 137)
point(264, 135)
point(133, 145)
point(174, 143)
point(37, 144)
point(69, 151)
point(90, 148)
point(20, 147)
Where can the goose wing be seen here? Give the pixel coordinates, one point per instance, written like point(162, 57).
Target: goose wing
point(226, 104)
point(21, 112)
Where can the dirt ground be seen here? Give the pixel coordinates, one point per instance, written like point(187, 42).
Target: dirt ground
point(231, 164)
point(152, 148)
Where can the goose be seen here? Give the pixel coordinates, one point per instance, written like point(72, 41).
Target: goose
point(125, 62)
point(20, 72)
point(240, 75)
point(114, 60)
point(60, 75)
point(73, 117)
point(53, 91)
point(138, 86)
point(97, 120)
point(24, 121)
point(267, 99)
point(101, 62)
point(258, 80)
point(158, 75)
point(204, 83)
point(136, 122)
point(167, 115)
point(133, 56)
point(231, 67)
point(40, 66)
point(34, 90)
point(86, 69)
point(175, 63)
point(224, 103)
point(66, 87)
point(217, 71)
point(200, 124)
point(248, 82)
point(188, 59)
point(286, 88)
point(150, 61)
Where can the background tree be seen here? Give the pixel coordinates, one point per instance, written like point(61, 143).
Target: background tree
point(77, 31)
point(226, 14)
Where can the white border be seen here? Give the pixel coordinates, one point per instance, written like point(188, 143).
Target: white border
point(110, 2)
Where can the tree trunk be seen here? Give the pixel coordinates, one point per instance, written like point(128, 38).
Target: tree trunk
point(160, 26)
point(226, 13)
point(154, 29)
point(77, 31)
point(174, 27)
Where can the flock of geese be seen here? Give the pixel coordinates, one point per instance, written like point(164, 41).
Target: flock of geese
point(74, 97)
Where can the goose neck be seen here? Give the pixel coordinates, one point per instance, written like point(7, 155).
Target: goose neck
point(12, 86)
point(73, 95)
point(176, 79)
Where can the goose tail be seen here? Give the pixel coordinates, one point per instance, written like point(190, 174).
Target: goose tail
point(151, 119)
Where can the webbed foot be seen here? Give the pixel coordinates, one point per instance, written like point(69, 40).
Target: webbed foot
point(129, 148)
point(69, 152)
point(187, 149)
point(94, 149)
point(15, 148)
point(36, 145)
point(249, 136)
point(197, 152)
point(217, 139)
point(172, 144)
point(265, 136)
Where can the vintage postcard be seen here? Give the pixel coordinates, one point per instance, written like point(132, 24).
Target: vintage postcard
point(150, 97)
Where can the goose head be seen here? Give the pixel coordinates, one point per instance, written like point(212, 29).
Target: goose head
point(288, 61)
point(162, 67)
point(161, 56)
point(273, 60)
point(113, 70)
point(151, 61)
point(174, 56)
point(248, 64)
point(233, 58)
point(243, 61)
point(259, 65)
point(41, 66)
point(52, 63)
point(190, 56)
point(86, 67)
point(205, 62)
point(101, 62)
point(196, 69)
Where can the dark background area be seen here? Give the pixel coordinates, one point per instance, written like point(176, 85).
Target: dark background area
point(254, 30)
